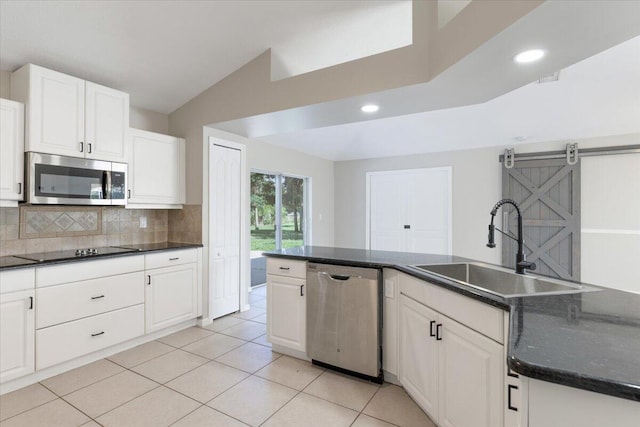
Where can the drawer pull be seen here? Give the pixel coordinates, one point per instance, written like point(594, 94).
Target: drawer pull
point(98, 297)
point(30, 303)
point(148, 279)
point(439, 332)
point(431, 325)
point(173, 259)
point(510, 388)
point(285, 268)
point(98, 333)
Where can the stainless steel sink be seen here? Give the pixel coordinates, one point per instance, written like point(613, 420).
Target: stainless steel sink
point(500, 281)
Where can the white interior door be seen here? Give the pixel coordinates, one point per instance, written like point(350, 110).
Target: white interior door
point(410, 210)
point(225, 230)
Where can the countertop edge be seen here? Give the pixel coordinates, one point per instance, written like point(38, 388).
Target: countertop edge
point(32, 264)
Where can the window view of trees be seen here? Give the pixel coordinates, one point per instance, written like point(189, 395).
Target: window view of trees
point(263, 211)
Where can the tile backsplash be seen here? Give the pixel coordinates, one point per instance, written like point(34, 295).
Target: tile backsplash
point(185, 225)
point(34, 228)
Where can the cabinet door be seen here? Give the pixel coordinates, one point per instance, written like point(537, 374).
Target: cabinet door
point(418, 354)
point(56, 113)
point(471, 378)
point(286, 312)
point(107, 123)
point(12, 149)
point(170, 296)
point(156, 168)
point(17, 334)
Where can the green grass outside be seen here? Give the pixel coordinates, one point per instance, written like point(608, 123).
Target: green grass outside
point(265, 238)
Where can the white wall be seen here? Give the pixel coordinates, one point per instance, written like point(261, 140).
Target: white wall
point(477, 176)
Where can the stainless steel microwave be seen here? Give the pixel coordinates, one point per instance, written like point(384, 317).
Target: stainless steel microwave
point(61, 180)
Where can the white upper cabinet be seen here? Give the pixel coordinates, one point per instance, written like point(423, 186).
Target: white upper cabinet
point(66, 115)
point(156, 170)
point(12, 149)
point(106, 122)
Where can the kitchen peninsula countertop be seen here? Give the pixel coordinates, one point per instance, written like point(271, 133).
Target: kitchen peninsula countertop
point(12, 262)
point(588, 340)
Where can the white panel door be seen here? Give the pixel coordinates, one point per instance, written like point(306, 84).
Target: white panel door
point(225, 230)
point(471, 378)
point(410, 210)
point(429, 211)
point(388, 195)
point(418, 354)
point(12, 149)
point(107, 123)
point(17, 335)
point(56, 113)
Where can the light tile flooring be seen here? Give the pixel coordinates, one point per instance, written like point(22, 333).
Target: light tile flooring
point(221, 375)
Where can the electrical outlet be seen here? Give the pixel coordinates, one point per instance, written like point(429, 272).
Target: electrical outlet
point(143, 222)
point(389, 288)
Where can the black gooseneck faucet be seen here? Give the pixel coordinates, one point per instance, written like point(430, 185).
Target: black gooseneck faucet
point(521, 259)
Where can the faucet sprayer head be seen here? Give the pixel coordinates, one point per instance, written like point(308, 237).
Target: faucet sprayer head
point(492, 232)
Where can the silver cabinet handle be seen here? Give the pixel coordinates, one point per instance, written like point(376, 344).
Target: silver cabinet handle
point(301, 290)
point(19, 188)
point(98, 297)
point(148, 279)
point(98, 333)
point(89, 150)
point(30, 303)
point(285, 268)
point(173, 259)
point(81, 146)
point(128, 194)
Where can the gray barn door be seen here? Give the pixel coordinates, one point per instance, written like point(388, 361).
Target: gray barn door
point(548, 193)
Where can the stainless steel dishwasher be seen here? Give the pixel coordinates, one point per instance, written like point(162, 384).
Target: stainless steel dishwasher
point(344, 319)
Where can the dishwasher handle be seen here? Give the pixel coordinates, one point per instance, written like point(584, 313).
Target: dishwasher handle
point(339, 277)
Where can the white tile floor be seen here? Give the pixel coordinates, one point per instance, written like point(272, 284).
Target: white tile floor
point(222, 375)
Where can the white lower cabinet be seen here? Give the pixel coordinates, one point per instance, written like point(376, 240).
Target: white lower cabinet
point(67, 341)
point(17, 327)
point(170, 296)
point(286, 312)
point(471, 377)
point(286, 304)
point(453, 372)
point(554, 405)
point(419, 354)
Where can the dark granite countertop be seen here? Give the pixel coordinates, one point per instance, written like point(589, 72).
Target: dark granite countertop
point(162, 246)
point(7, 262)
point(588, 340)
point(12, 262)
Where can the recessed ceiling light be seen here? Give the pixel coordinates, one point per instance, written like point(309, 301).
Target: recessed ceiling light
point(529, 56)
point(369, 108)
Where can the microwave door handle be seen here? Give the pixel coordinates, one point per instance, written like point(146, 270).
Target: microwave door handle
point(106, 184)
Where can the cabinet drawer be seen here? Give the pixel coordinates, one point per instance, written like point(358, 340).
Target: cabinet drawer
point(287, 267)
point(169, 258)
point(17, 280)
point(84, 270)
point(73, 339)
point(62, 303)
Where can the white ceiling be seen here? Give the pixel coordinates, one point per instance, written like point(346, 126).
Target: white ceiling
point(598, 96)
point(163, 53)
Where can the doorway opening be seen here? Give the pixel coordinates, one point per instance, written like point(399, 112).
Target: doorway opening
point(278, 217)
